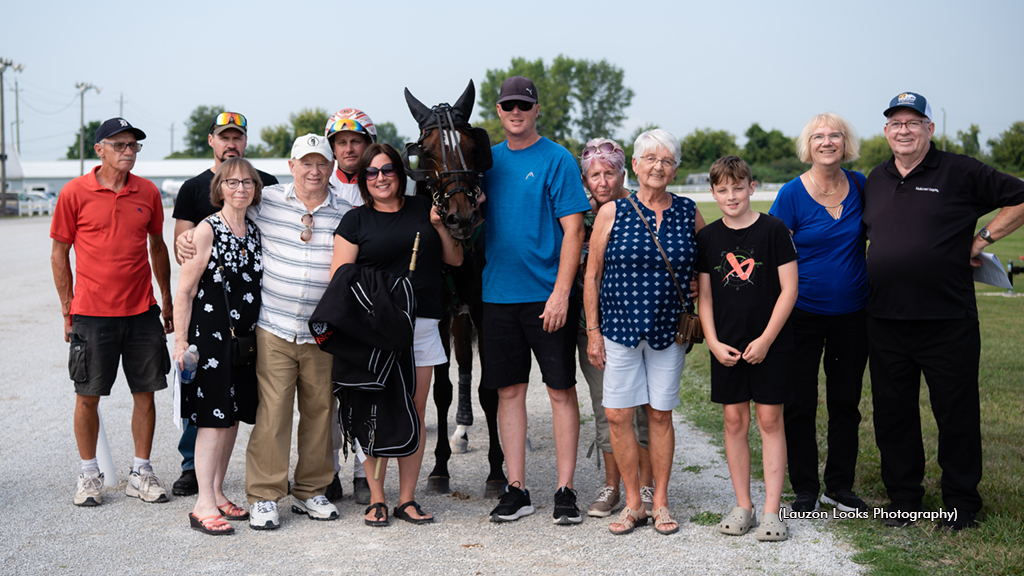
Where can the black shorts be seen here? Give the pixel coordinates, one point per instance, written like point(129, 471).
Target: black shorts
point(98, 342)
point(764, 383)
point(511, 331)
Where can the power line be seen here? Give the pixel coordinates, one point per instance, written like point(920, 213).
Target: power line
point(38, 111)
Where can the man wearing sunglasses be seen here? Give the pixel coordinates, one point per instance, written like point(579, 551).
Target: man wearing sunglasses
point(349, 131)
point(114, 220)
point(297, 223)
point(922, 206)
point(228, 133)
point(534, 236)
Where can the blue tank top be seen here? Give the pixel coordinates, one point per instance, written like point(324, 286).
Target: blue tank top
point(638, 297)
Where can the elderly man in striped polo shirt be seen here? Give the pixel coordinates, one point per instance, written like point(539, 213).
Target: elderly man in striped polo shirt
point(297, 222)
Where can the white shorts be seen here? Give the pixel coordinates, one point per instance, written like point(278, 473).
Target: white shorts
point(427, 349)
point(637, 376)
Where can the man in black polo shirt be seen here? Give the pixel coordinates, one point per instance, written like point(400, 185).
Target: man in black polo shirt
point(228, 139)
point(921, 208)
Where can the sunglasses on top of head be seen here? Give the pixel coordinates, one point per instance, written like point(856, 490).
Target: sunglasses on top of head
point(524, 106)
point(603, 148)
point(387, 170)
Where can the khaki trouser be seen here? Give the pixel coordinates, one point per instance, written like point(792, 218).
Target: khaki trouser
point(283, 369)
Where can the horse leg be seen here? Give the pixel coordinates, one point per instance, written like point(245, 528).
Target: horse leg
point(496, 479)
point(462, 339)
point(438, 481)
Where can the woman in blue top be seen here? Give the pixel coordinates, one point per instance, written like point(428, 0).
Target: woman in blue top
point(822, 208)
point(639, 313)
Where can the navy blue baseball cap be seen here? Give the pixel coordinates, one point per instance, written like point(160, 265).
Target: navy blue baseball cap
point(909, 100)
point(116, 126)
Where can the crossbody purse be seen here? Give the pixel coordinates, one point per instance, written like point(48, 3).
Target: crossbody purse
point(689, 331)
point(243, 349)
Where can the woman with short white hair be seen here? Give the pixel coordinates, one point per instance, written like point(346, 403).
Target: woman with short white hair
point(628, 280)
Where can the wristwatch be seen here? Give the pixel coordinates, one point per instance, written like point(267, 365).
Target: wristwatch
point(985, 235)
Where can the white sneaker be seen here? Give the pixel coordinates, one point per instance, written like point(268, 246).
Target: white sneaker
point(317, 508)
point(89, 492)
point(145, 486)
point(263, 516)
point(647, 498)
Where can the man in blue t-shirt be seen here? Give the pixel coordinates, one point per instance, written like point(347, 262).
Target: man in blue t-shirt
point(534, 237)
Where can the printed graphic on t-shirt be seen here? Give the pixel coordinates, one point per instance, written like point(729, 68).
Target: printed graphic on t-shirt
point(737, 269)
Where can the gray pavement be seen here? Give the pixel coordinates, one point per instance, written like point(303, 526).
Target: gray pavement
point(41, 532)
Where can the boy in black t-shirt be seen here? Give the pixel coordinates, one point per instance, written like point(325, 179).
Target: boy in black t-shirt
point(748, 285)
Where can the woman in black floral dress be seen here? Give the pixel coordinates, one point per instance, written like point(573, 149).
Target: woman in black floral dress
point(228, 257)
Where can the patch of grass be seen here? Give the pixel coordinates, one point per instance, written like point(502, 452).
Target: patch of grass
point(695, 469)
point(997, 545)
point(706, 518)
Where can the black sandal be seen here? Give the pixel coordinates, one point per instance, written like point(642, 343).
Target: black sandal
point(401, 514)
point(381, 515)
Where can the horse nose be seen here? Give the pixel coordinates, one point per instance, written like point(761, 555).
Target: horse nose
point(451, 221)
point(474, 218)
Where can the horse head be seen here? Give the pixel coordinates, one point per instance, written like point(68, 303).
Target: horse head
point(452, 158)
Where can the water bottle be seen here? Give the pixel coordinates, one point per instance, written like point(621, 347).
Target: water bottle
point(191, 362)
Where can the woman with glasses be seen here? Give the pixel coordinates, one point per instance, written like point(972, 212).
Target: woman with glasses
point(633, 336)
point(380, 234)
point(822, 208)
point(219, 299)
point(603, 166)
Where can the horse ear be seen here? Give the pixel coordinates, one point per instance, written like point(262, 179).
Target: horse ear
point(420, 113)
point(464, 105)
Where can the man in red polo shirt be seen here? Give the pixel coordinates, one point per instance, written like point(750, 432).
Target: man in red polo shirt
point(110, 215)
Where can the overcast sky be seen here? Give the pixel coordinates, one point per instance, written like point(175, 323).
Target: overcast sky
point(720, 64)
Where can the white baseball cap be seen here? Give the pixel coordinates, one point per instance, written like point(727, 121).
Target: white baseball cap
point(312, 144)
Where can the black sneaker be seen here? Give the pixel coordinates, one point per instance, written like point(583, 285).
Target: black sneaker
point(898, 514)
point(961, 521)
point(845, 499)
point(186, 484)
point(334, 490)
point(566, 511)
point(514, 504)
point(805, 502)
point(361, 491)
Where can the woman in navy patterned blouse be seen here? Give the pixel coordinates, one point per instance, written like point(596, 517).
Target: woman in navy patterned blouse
point(639, 312)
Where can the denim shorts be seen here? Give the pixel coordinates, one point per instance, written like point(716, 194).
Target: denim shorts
point(99, 342)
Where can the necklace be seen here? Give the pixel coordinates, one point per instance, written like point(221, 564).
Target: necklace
point(834, 211)
point(820, 189)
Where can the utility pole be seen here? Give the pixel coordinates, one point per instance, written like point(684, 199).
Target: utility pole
point(172, 137)
point(943, 129)
point(82, 87)
point(4, 65)
point(17, 117)
point(120, 107)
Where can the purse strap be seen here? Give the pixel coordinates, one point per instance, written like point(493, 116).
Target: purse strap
point(660, 249)
point(224, 285)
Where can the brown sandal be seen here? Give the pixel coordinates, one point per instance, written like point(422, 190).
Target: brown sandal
point(630, 519)
point(662, 517)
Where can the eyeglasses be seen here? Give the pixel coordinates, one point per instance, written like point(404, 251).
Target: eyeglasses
point(120, 146)
point(835, 138)
point(346, 124)
point(912, 125)
point(665, 162)
point(307, 233)
point(508, 105)
point(228, 118)
point(387, 170)
point(603, 148)
point(233, 183)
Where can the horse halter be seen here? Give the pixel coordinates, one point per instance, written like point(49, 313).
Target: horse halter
point(454, 174)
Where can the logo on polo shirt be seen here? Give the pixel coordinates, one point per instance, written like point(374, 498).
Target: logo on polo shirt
point(923, 189)
point(528, 176)
point(906, 98)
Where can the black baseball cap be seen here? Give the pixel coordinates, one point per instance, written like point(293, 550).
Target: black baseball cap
point(116, 126)
point(518, 88)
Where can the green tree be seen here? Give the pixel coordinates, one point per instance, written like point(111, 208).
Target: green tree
point(593, 90)
point(197, 132)
point(969, 141)
point(1008, 148)
point(90, 139)
point(308, 121)
point(767, 147)
point(278, 140)
point(702, 147)
point(873, 151)
point(628, 145)
point(387, 132)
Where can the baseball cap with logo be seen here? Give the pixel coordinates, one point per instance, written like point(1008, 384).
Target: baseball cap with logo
point(518, 88)
point(116, 126)
point(909, 100)
point(311, 144)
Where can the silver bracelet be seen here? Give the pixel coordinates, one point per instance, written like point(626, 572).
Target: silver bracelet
point(594, 328)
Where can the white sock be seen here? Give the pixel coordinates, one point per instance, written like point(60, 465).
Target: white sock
point(358, 471)
point(90, 468)
point(139, 463)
